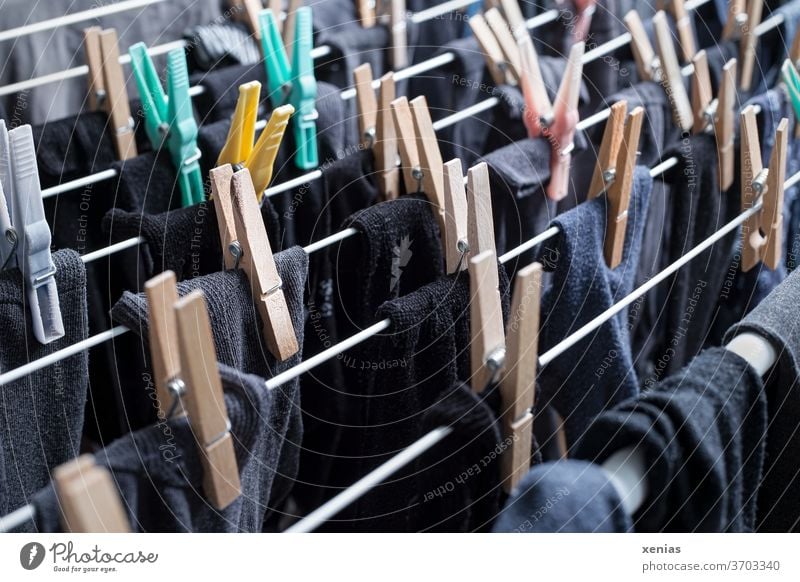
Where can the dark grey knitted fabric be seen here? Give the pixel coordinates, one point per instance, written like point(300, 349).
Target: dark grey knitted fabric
point(597, 372)
point(41, 418)
point(776, 320)
point(159, 475)
point(520, 206)
point(564, 497)
point(702, 432)
point(236, 326)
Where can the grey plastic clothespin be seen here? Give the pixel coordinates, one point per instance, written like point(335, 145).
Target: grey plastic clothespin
point(33, 247)
point(8, 235)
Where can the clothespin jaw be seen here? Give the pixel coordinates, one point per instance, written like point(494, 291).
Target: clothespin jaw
point(367, 104)
point(107, 87)
point(749, 43)
point(394, 15)
point(455, 237)
point(303, 95)
point(239, 148)
point(514, 18)
point(279, 71)
point(737, 19)
point(88, 498)
point(248, 11)
point(505, 39)
point(170, 121)
point(33, 245)
point(182, 132)
point(487, 345)
point(671, 73)
point(606, 167)
point(492, 52)
point(9, 237)
point(430, 157)
point(683, 25)
point(261, 160)
point(154, 100)
point(701, 92)
point(647, 64)
point(162, 294)
point(619, 192)
point(290, 25)
point(407, 144)
point(762, 233)
point(258, 264)
point(366, 13)
point(242, 133)
point(716, 114)
point(385, 147)
point(480, 220)
point(205, 401)
point(518, 383)
point(565, 119)
point(538, 109)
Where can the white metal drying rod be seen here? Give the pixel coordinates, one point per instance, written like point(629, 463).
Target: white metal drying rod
point(82, 16)
point(346, 94)
point(343, 499)
point(82, 70)
point(322, 514)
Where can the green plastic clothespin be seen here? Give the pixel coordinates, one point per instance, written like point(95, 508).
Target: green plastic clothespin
point(293, 83)
point(169, 118)
point(792, 80)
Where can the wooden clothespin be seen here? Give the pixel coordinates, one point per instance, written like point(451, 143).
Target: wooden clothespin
point(762, 233)
point(671, 73)
point(749, 43)
point(88, 499)
point(487, 345)
point(386, 154)
point(556, 121)
point(419, 152)
point(505, 39)
point(514, 18)
point(185, 369)
point(162, 294)
point(561, 133)
point(538, 109)
point(393, 14)
point(737, 18)
point(716, 115)
point(794, 52)
point(366, 103)
point(377, 127)
point(606, 167)
point(107, 87)
point(366, 13)
point(247, 11)
point(455, 239)
point(486, 323)
point(619, 192)
point(647, 64)
point(495, 59)
point(245, 239)
point(205, 402)
point(290, 25)
point(683, 24)
point(518, 383)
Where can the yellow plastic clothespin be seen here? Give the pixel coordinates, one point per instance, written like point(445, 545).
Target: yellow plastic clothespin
point(239, 150)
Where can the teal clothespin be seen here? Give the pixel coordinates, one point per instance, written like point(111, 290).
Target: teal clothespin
point(792, 80)
point(169, 118)
point(293, 83)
